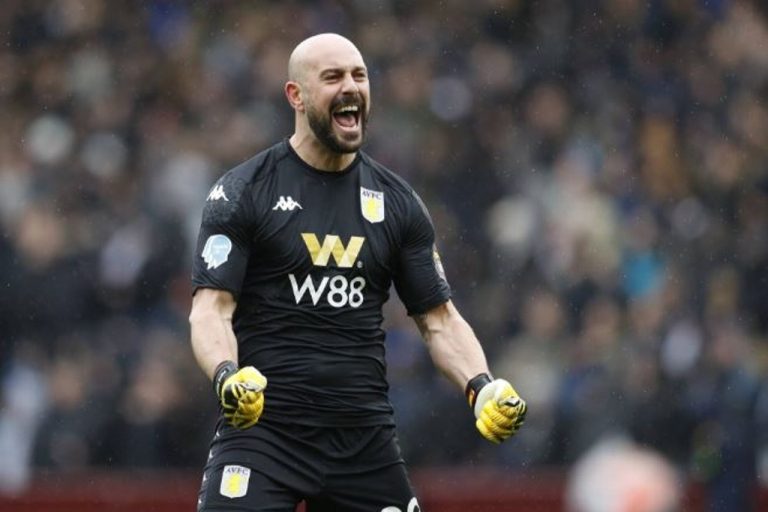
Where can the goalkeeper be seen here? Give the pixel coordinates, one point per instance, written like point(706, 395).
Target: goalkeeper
point(297, 252)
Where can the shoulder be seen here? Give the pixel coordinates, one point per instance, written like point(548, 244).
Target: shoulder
point(235, 189)
point(398, 188)
point(399, 196)
point(389, 180)
point(258, 166)
point(237, 180)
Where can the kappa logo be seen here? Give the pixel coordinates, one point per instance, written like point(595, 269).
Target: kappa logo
point(217, 193)
point(287, 204)
point(332, 245)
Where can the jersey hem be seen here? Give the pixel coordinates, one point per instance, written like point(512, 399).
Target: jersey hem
point(197, 286)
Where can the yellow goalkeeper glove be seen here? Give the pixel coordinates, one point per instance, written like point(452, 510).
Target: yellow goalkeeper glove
point(500, 412)
point(241, 393)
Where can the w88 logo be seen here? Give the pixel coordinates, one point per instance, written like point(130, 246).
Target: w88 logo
point(339, 291)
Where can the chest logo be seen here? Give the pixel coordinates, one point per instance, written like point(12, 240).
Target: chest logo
point(286, 203)
point(372, 205)
point(332, 245)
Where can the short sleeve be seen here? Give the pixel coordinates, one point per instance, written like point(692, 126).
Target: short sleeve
point(224, 240)
point(419, 278)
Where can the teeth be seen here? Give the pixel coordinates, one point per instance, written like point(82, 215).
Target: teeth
point(348, 108)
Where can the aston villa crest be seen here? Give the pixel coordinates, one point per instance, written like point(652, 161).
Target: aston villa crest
point(372, 205)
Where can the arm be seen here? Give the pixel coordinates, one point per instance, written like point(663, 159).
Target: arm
point(215, 346)
point(455, 350)
point(452, 344)
point(213, 340)
point(218, 273)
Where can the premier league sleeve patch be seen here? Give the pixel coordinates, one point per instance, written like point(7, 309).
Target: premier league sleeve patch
point(234, 481)
point(372, 205)
point(216, 250)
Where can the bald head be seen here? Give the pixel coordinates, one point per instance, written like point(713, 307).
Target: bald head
point(329, 91)
point(318, 51)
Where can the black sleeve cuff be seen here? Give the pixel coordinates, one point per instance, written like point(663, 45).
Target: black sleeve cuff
point(223, 370)
point(474, 386)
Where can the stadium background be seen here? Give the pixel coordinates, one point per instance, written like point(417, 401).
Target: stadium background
point(597, 172)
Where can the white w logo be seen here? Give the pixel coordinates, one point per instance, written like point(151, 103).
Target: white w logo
point(332, 246)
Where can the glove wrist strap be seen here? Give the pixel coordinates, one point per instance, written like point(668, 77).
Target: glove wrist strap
point(474, 386)
point(223, 370)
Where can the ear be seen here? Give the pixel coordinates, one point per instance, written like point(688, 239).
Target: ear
point(294, 94)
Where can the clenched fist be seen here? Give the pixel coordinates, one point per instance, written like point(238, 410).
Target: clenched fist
point(500, 412)
point(241, 393)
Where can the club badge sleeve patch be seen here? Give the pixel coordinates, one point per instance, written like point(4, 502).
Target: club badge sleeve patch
point(234, 481)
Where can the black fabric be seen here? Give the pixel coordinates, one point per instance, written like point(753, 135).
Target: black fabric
point(311, 273)
point(333, 469)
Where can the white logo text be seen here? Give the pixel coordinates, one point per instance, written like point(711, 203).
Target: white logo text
point(341, 291)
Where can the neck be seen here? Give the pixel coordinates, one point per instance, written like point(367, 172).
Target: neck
point(314, 153)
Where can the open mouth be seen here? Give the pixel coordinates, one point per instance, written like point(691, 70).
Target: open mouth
point(347, 116)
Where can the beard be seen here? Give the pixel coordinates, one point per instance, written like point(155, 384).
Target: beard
point(321, 124)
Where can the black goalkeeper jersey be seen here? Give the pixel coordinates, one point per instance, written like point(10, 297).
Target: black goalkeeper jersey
point(310, 257)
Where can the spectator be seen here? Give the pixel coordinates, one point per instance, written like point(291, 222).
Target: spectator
point(597, 172)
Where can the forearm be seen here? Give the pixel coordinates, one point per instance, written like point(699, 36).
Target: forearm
point(455, 350)
point(212, 337)
point(453, 346)
point(213, 342)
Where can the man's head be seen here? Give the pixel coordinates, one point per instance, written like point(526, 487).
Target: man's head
point(329, 90)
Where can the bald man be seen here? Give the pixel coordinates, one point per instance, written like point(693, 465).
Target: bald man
point(297, 252)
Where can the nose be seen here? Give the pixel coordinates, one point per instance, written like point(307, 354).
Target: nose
point(349, 85)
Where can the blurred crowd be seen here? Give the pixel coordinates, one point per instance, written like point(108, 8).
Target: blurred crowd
point(597, 172)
